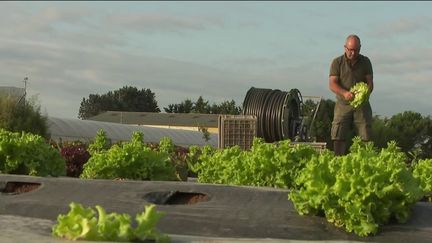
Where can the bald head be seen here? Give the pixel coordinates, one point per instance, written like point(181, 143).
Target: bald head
point(352, 47)
point(353, 38)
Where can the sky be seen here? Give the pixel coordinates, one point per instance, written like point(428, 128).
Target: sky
point(215, 49)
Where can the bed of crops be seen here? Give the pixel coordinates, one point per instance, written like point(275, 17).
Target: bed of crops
point(359, 192)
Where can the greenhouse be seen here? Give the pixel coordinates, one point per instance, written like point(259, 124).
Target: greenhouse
point(68, 129)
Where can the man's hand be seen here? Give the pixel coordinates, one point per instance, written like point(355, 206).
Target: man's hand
point(338, 90)
point(348, 96)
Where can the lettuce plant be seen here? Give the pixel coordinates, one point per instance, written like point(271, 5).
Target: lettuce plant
point(359, 191)
point(75, 155)
point(423, 171)
point(361, 94)
point(129, 160)
point(82, 223)
point(29, 154)
point(266, 164)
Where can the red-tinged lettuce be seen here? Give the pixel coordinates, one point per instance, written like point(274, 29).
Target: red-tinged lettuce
point(178, 155)
point(359, 191)
point(82, 224)
point(75, 155)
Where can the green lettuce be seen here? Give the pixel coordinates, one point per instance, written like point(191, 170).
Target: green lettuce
point(129, 160)
point(79, 223)
point(361, 94)
point(146, 228)
point(82, 224)
point(360, 191)
point(28, 154)
point(265, 164)
point(423, 171)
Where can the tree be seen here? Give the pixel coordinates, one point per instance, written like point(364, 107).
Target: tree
point(203, 107)
point(321, 126)
point(22, 116)
point(409, 129)
point(226, 107)
point(172, 108)
point(381, 132)
point(124, 99)
point(184, 107)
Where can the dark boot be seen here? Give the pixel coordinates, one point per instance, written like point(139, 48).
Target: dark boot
point(339, 147)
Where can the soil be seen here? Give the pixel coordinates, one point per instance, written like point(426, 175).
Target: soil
point(12, 187)
point(187, 198)
point(175, 197)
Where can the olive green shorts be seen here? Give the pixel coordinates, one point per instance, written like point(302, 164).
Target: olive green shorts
point(346, 118)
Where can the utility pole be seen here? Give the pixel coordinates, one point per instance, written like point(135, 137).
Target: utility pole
point(25, 90)
point(25, 85)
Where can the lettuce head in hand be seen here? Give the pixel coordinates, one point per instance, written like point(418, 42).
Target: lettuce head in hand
point(361, 94)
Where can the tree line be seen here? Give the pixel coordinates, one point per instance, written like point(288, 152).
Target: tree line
point(130, 98)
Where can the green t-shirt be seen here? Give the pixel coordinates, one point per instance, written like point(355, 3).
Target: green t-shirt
point(350, 75)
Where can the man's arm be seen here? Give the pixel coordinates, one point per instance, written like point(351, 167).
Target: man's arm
point(369, 81)
point(337, 89)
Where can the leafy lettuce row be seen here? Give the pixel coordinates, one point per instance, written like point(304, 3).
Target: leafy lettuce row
point(266, 164)
point(423, 171)
point(82, 224)
point(359, 191)
point(28, 154)
point(131, 160)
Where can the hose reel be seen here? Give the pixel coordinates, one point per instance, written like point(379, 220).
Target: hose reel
point(278, 112)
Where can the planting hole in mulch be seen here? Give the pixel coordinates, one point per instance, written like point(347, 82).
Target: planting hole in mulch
point(175, 197)
point(18, 187)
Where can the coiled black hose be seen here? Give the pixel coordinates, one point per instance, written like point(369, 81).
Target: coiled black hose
point(278, 112)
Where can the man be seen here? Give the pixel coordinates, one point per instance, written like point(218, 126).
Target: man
point(345, 72)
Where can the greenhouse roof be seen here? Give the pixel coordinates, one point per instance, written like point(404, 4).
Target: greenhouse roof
point(155, 118)
point(68, 129)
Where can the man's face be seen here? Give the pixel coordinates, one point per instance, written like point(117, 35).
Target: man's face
point(352, 49)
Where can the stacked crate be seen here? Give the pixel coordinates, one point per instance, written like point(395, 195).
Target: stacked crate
point(237, 130)
point(318, 146)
